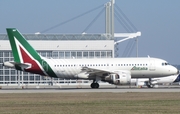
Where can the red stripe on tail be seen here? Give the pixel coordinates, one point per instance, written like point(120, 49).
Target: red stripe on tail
point(27, 59)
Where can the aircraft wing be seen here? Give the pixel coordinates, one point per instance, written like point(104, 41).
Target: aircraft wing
point(96, 72)
point(168, 79)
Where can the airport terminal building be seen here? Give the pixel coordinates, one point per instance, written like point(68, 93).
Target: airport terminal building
point(61, 46)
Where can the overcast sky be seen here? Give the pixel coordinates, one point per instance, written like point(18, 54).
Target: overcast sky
point(158, 21)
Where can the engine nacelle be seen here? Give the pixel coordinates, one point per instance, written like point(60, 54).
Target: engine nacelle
point(119, 78)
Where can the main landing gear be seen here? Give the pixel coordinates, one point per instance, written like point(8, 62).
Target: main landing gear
point(149, 84)
point(94, 84)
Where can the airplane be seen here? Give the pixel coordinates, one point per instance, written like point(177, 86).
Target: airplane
point(140, 82)
point(118, 71)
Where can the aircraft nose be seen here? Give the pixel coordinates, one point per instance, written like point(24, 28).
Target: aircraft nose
point(177, 71)
point(174, 70)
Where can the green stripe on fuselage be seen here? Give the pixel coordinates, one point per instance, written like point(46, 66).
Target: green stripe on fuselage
point(48, 69)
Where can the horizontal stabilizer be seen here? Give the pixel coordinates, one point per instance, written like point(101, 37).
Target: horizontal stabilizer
point(16, 65)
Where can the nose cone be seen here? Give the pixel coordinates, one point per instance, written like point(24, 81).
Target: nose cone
point(175, 70)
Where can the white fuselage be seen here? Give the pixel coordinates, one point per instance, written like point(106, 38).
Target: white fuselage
point(138, 67)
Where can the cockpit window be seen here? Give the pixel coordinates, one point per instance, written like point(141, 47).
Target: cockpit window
point(164, 64)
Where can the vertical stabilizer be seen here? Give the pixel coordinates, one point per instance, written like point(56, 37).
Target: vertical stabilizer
point(22, 50)
point(24, 54)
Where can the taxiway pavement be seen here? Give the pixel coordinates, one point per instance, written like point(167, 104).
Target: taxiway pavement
point(88, 89)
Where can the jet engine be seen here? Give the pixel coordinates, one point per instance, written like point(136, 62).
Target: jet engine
point(119, 78)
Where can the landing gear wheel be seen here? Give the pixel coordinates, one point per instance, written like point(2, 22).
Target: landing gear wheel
point(150, 86)
point(94, 85)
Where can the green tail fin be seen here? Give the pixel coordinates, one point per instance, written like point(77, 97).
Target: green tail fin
point(25, 56)
point(20, 47)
